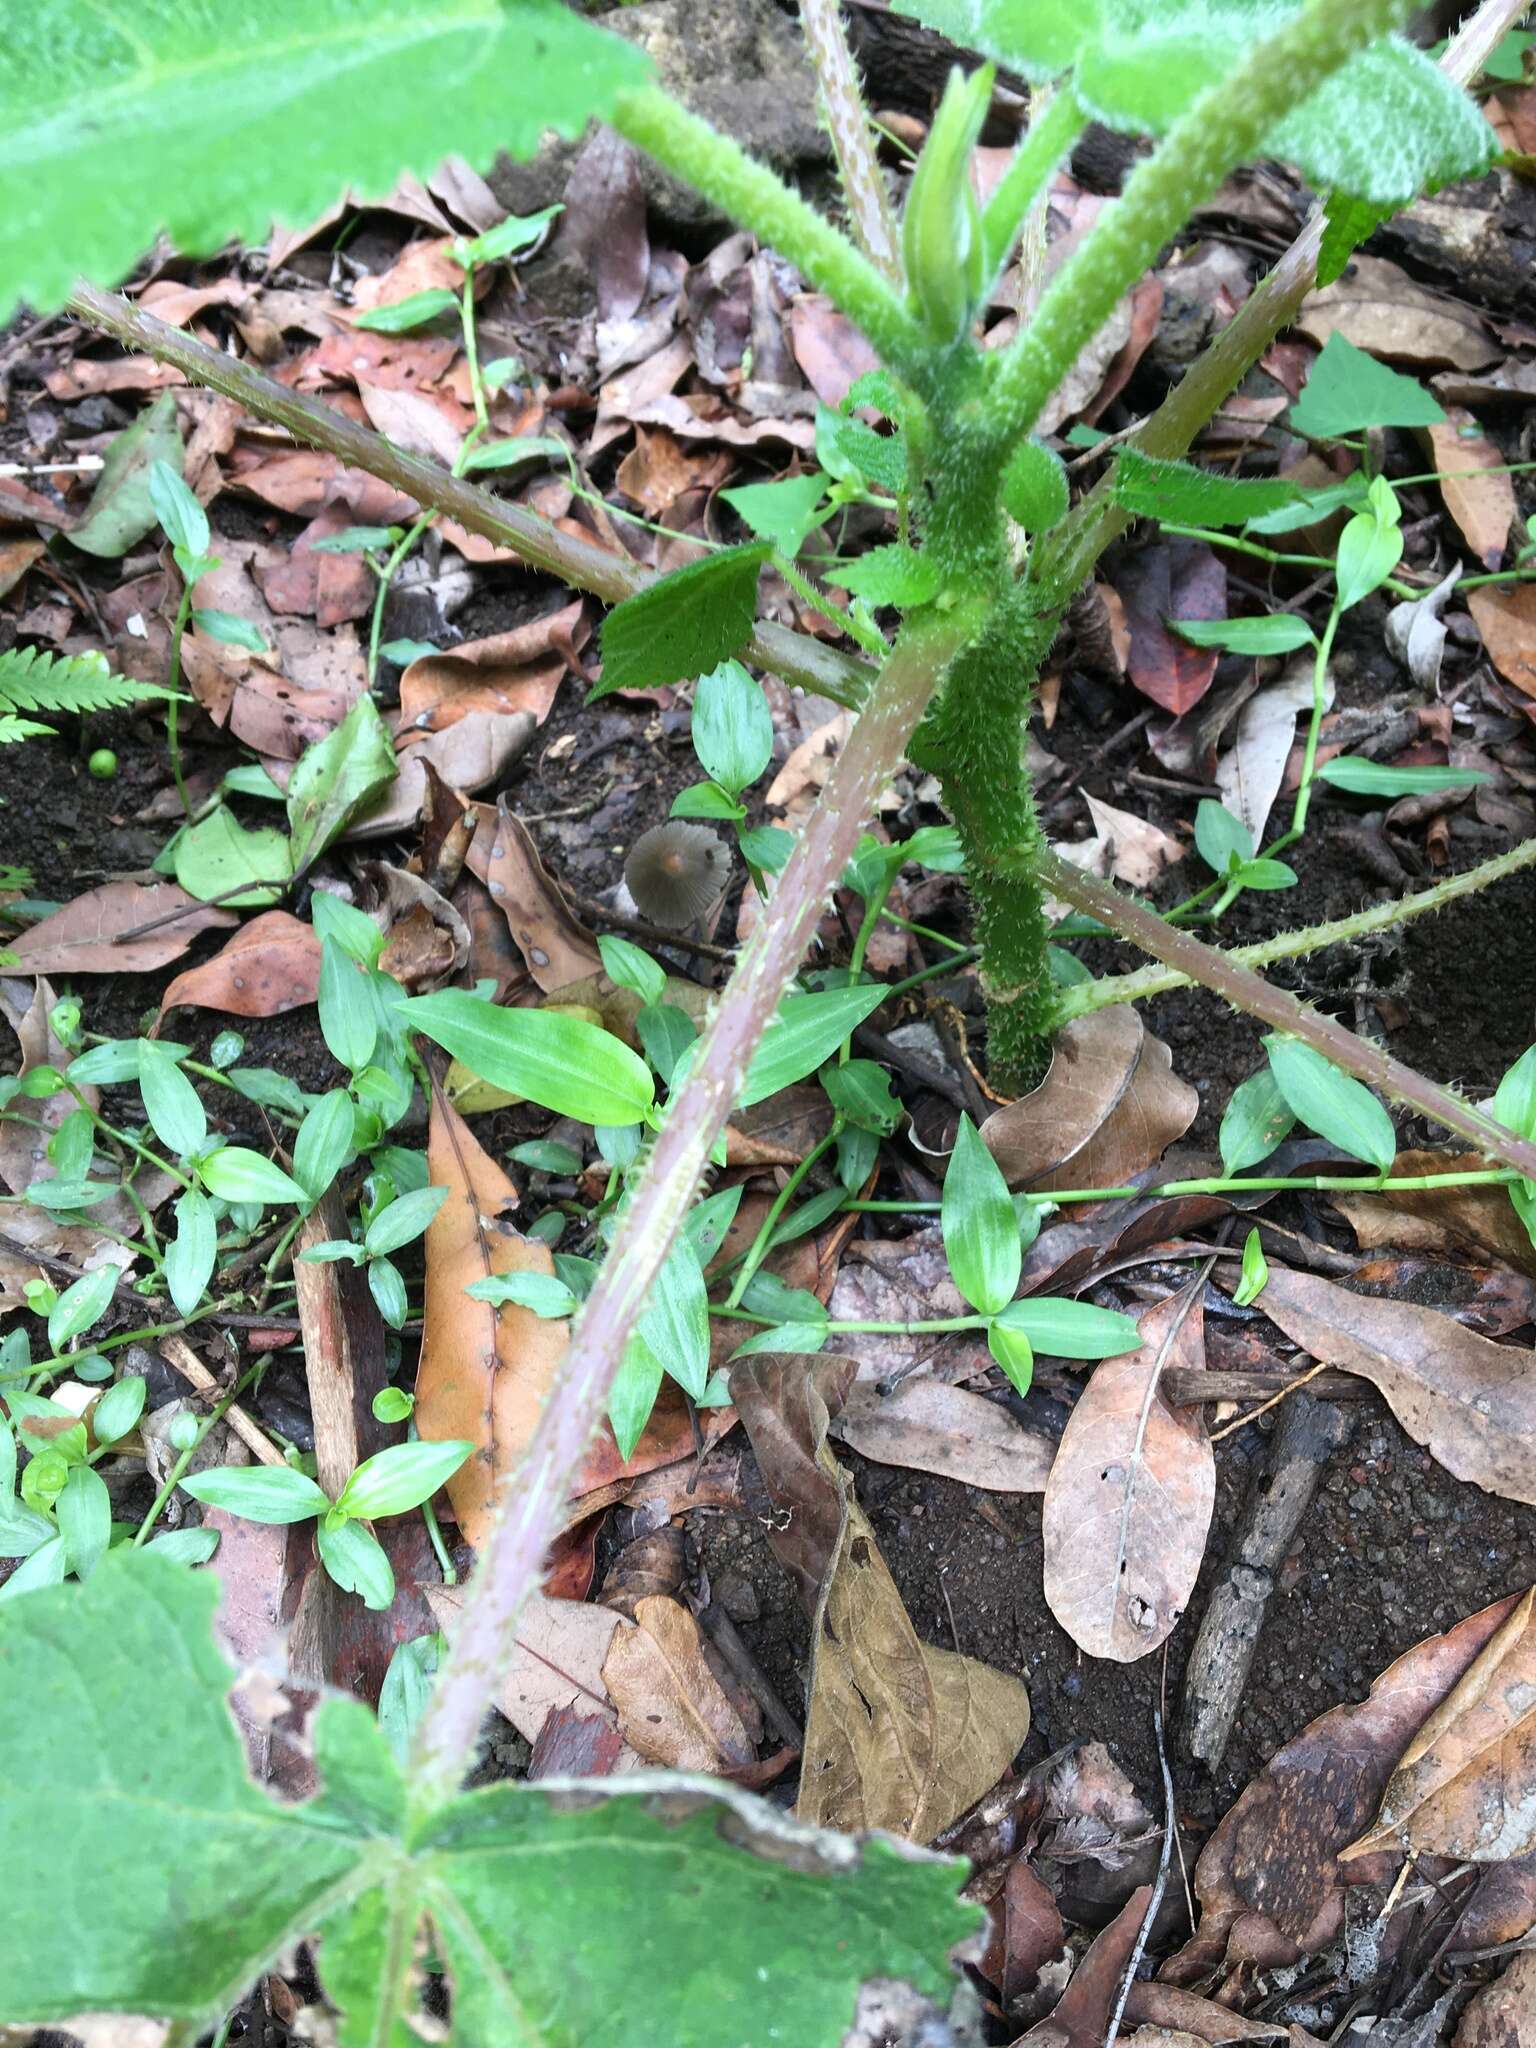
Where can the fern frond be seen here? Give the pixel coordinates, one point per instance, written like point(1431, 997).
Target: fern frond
point(13, 729)
point(31, 680)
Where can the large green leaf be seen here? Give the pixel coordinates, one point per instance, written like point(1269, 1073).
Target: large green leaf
point(704, 1917)
point(562, 1063)
point(208, 122)
point(1038, 37)
point(684, 624)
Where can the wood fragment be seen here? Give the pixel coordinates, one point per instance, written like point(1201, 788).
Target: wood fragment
point(178, 1353)
point(1310, 1430)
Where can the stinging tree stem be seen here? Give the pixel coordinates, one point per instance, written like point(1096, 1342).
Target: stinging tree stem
point(842, 99)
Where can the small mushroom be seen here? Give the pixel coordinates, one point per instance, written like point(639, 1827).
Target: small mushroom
point(675, 871)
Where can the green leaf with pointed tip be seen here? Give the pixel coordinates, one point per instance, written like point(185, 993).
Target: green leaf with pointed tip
point(1380, 778)
point(684, 624)
point(1276, 633)
point(805, 1032)
point(207, 123)
point(895, 575)
point(783, 512)
point(336, 778)
point(415, 310)
point(563, 1063)
point(1035, 488)
point(981, 1231)
point(1347, 222)
point(1335, 1105)
point(1257, 1117)
point(243, 865)
point(1348, 391)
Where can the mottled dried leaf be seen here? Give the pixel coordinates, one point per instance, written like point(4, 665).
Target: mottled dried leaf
point(1465, 1787)
point(1503, 2014)
point(1129, 1498)
point(1109, 1108)
point(670, 1705)
point(929, 1426)
point(80, 938)
point(1482, 504)
point(556, 949)
point(270, 965)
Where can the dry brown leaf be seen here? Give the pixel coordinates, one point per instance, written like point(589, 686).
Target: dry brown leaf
point(1432, 1219)
point(396, 362)
point(898, 1735)
point(929, 1426)
point(420, 266)
point(1507, 621)
point(306, 482)
point(904, 1281)
point(79, 938)
point(467, 755)
point(1251, 772)
point(658, 470)
point(556, 1662)
point(1269, 1879)
point(1138, 851)
point(1483, 504)
point(270, 965)
point(1129, 1498)
point(26, 1007)
point(1466, 1399)
point(1380, 309)
point(517, 671)
point(1109, 1108)
point(1158, 2007)
point(16, 558)
point(319, 585)
point(1465, 1787)
point(484, 1371)
point(1080, 2017)
point(423, 423)
point(555, 948)
point(1503, 2014)
point(670, 1705)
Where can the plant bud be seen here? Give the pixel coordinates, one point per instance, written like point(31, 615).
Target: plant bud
point(941, 229)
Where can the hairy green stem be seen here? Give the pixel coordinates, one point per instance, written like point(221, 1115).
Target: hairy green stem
point(760, 200)
point(1044, 148)
point(1088, 996)
point(1227, 976)
point(1225, 125)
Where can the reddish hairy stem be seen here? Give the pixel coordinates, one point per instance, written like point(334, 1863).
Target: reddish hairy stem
point(869, 203)
point(532, 1503)
point(1250, 992)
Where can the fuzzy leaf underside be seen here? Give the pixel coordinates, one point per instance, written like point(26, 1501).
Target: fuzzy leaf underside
point(207, 122)
point(174, 1881)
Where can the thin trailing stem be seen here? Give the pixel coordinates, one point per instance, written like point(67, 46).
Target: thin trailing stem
point(1296, 945)
point(1223, 127)
point(760, 200)
point(1245, 990)
point(531, 1503)
point(842, 101)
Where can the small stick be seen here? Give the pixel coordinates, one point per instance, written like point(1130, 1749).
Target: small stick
point(727, 1639)
point(1242, 1421)
point(598, 912)
point(179, 1353)
point(1159, 1882)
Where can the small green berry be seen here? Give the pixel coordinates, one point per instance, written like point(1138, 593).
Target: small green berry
point(103, 764)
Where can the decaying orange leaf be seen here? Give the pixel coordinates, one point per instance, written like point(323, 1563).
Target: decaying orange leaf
point(1481, 503)
point(484, 1371)
point(1507, 621)
point(86, 936)
point(556, 948)
point(1431, 1219)
point(517, 671)
point(270, 965)
point(1466, 1784)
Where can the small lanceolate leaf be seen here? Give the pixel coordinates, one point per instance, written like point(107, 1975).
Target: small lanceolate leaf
point(336, 778)
point(83, 1303)
point(1219, 837)
point(170, 1101)
point(806, 1031)
point(262, 1493)
point(238, 1174)
point(1257, 1118)
point(190, 1255)
point(1380, 778)
point(684, 624)
point(1070, 1329)
point(674, 1329)
point(354, 1557)
point(1334, 1105)
point(395, 1480)
point(106, 146)
point(563, 1063)
point(1280, 633)
point(981, 1232)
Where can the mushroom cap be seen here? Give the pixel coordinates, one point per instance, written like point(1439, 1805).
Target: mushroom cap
point(675, 871)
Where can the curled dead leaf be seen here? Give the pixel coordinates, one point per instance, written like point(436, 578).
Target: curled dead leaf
point(478, 749)
point(556, 948)
point(1109, 1108)
point(929, 1426)
point(1482, 503)
point(516, 671)
point(1129, 1498)
point(1465, 1786)
point(484, 1371)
